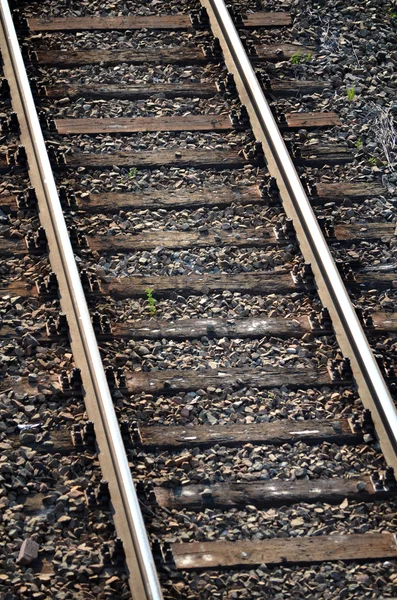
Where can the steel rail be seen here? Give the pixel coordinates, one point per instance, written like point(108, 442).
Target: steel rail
point(371, 385)
point(113, 460)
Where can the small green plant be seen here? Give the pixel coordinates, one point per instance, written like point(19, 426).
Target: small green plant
point(351, 93)
point(392, 13)
point(376, 162)
point(151, 302)
point(298, 58)
point(359, 144)
point(132, 173)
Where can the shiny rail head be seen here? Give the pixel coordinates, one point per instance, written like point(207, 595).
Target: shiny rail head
point(144, 580)
point(371, 383)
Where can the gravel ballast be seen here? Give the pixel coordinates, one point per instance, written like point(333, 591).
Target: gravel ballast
point(354, 51)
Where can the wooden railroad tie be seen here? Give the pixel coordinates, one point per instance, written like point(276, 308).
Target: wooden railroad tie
point(266, 377)
point(200, 158)
point(215, 196)
point(276, 433)
point(138, 56)
point(255, 327)
point(310, 155)
point(377, 323)
point(209, 122)
point(233, 435)
point(268, 494)
point(294, 551)
point(202, 89)
point(260, 282)
point(173, 22)
point(173, 381)
point(237, 238)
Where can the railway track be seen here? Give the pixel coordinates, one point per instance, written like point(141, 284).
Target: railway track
point(184, 310)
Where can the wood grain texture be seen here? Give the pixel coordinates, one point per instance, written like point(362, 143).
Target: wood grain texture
point(350, 189)
point(300, 550)
point(185, 329)
point(259, 282)
point(95, 23)
point(210, 122)
point(372, 279)
point(200, 158)
point(310, 120)
point(189, 329)
point(171, 199)
point(136, 56)
point(255, 327)
point(384, 322)
point(184, 380)
point(337, 192)
point(172, 22)
point(131, 92)
point(266, 494)
point(318, 155)
point(214, 196)
point(177, 157)
point(267, 19)
point(238, 238)
point(365, 231)
point(174, 90)
point(236, 434)
point(126, 126)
